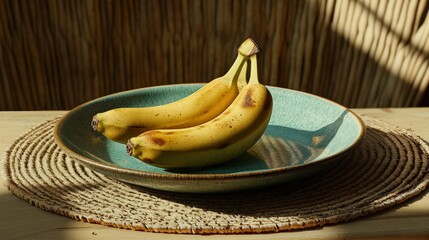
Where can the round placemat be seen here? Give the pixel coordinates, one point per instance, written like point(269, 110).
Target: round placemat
point(389, 167)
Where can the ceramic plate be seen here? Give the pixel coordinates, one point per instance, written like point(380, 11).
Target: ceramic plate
point(306, 134)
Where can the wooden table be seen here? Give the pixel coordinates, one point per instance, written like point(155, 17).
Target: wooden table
point(19, 220)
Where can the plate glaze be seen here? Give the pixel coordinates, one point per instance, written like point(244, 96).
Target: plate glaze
point(306, 134)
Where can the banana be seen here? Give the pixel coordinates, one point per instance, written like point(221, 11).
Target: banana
point(228, 135)
point(121, 124)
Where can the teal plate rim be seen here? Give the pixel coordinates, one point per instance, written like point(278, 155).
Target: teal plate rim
point(104, 167)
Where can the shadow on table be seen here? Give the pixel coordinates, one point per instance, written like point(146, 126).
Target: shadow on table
point(360, 185)
point(20, 220)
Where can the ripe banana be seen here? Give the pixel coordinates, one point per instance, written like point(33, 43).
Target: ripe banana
point(121, 124)
point(228, 135)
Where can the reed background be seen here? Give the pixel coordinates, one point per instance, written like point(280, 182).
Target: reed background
point(58, 54)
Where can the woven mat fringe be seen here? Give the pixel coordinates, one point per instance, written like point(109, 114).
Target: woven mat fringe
point(390, 167)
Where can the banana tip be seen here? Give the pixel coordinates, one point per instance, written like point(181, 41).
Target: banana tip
point(94, 123)
point(130, 147)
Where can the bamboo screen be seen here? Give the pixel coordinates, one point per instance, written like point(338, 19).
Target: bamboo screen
point(360, 53)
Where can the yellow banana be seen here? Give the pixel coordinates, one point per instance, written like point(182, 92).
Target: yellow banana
point(228, 135)
point(121, 124)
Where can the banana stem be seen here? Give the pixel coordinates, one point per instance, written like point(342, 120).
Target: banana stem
point(235, 70)
point(249, 48)
point(253, 70)
point(242, 78)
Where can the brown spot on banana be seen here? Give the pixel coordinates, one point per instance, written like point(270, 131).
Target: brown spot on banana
point(158, 141)
point(248, 100)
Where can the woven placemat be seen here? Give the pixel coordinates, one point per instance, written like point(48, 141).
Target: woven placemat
point(389, 167)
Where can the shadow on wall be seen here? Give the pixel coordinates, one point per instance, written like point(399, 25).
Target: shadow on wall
point(393, 44)
point(56, 55)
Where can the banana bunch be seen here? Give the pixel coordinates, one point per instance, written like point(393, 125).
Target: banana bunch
point(226, 136)
point(121, 124)
point(218, 122)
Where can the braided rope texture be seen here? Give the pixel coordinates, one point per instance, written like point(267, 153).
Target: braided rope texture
point(390, 166)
